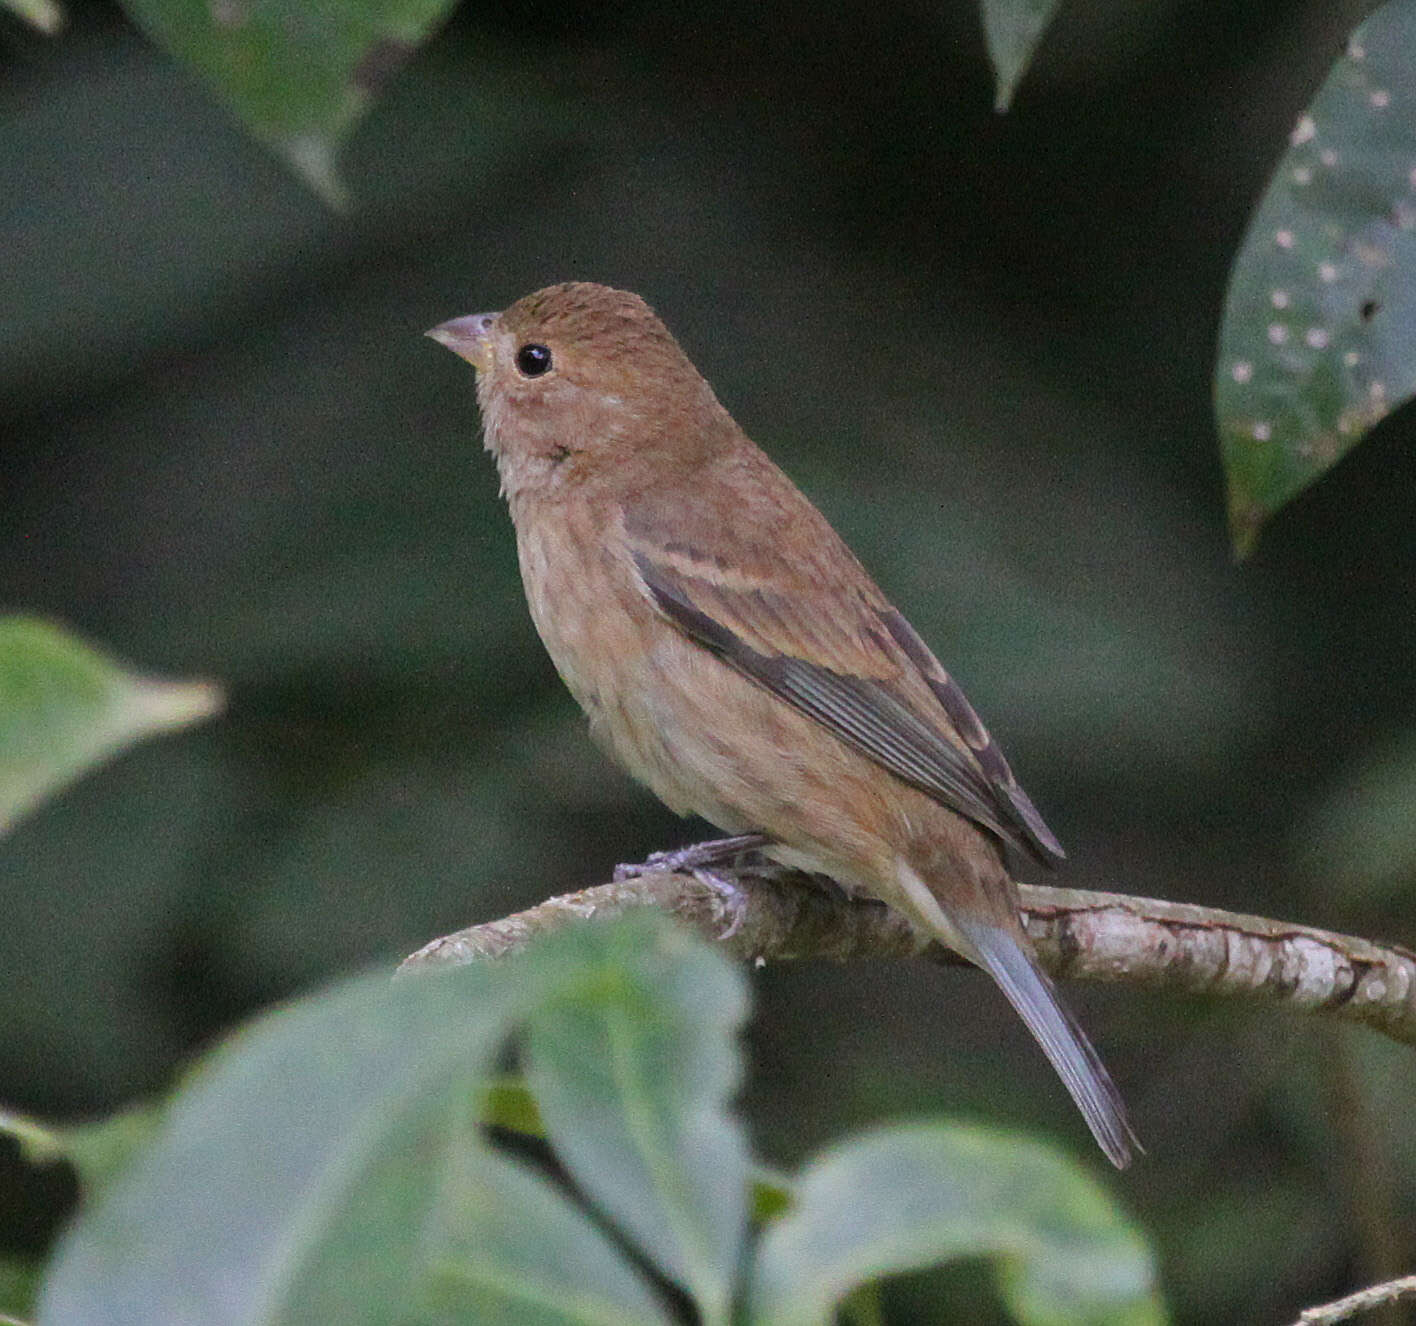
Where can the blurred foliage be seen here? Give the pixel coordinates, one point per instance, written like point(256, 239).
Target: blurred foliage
point(984, 345)
point(98, 1151)
point(298, 75)
point(324, 1167)
point(45, 15)
point(19, 1285)
point(1360, 839)
point(1319, 336)
point(1012, 29)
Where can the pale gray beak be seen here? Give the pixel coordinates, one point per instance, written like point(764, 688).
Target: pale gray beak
point(469, 337)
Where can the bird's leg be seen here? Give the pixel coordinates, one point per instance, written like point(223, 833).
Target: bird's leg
point(698, 860)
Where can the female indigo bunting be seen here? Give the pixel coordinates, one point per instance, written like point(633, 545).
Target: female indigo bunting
point(732, 653)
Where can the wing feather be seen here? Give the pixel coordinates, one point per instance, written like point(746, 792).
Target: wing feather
point(860, 670)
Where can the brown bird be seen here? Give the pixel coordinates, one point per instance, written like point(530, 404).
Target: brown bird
point(732, 653)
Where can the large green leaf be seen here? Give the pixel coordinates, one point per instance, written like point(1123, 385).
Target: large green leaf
point(1012, 30)
point(633, 1075)
point(299, 73)
point(325, 1167)
point(913, 1195)
point(1319, 335)
point(64, 708)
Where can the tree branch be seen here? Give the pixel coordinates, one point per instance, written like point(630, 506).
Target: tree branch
point(781, 915)
point(1366, 1300)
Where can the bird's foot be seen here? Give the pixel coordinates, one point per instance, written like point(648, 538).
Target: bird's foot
point(696, 857)
point(697, 860)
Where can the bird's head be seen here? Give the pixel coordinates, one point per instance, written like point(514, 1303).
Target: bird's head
point(581, 372)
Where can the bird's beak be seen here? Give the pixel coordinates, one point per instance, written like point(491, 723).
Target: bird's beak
point(469, 337)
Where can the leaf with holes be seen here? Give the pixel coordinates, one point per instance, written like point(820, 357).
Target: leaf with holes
point(1012, 30)
point(1319, 335)
point(65, 708)
point(298, 76)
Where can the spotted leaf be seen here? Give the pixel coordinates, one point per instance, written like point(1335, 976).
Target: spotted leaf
point(1319, 335)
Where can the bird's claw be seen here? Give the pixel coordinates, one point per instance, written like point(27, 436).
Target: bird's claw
point(732, 898)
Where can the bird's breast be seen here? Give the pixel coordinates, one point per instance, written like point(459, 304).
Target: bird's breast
point(621, 661)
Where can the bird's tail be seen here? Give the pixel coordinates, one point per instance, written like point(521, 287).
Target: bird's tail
point(1063, 1041)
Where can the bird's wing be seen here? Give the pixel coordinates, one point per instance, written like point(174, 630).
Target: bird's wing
point(814, 630)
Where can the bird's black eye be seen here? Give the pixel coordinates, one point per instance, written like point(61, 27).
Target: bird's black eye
point(533, 360)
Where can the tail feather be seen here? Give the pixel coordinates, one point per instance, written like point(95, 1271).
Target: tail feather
point(1063, 1041)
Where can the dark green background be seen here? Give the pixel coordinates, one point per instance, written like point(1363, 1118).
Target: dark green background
point(982, 344)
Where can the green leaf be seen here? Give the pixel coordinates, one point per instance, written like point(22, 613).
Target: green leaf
point(1319, 336)
point(910, 1196)
point(294, 1180)
point(1012, 30)
point(632, 1073)
point(65, 708)
point(509, 1248)
point(298, 75)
